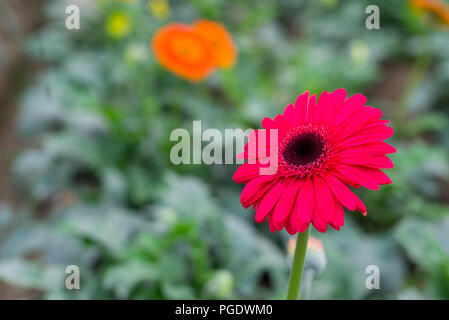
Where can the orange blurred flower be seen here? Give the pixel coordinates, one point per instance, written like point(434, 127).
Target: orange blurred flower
point(219, 38)
point(437, 7)
point(192, 52)
point(179, 49)
point(315, 244)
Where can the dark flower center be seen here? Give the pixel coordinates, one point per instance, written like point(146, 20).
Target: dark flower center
point(303, 149)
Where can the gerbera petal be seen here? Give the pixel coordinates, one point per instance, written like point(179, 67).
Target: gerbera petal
point(271, 224)
point(303, 209)
point(311, 108)
point(324, 200)
point(358, 121)
point(369, 136)
point(376, 161)
point(290, 227)
point(302, 104)
point(319, 223)
point(321, 107)
point(269, 201)
point(344, 194)
point(345, 180)
point(360, 207)
point(267, 123)
point(341, 192)
point(336, 100)
point(289, 114)
point(375, 174)
point(351, 105)
point(339, 217)
point(246, 172)
point(370, 148)
point(255, 188)
point(352, 173)
point(285, 205)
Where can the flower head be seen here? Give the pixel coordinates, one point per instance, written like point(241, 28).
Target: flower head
point(315, 244)
point(159, 8)
point(315, 257)
point(118, 25)
point(437, 7)
point(221, 41)
point(323, 147)
point(182, 51)
point(193, 52)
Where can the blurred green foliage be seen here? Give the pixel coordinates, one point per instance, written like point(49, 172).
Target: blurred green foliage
point(99, 190)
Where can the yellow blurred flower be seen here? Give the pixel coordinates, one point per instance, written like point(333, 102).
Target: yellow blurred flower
point(135, 53)
point(330, 3)
point(360, 52)
point(159, 8)
point(118, 25)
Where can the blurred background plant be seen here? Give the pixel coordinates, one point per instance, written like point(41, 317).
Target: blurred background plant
point(85, 171)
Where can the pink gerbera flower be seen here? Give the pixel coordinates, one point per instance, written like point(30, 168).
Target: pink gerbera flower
point(323, 147)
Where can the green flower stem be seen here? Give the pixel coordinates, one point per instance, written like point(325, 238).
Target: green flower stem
point(298, 264)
